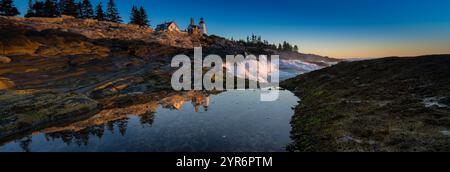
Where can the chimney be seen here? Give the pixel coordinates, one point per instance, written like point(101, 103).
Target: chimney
point(192, 21)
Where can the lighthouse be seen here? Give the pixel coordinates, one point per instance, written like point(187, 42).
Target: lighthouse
point(203, 26)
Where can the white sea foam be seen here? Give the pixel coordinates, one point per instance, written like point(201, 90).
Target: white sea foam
point(287, 69)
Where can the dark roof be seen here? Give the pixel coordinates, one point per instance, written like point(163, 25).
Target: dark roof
point(194, 26)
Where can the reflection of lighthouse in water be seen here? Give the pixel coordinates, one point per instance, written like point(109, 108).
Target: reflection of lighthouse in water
point(200, 100)
point(206, 104)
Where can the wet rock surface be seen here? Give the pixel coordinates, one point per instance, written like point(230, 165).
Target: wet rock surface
point(5, 60)
point(5, 83)
point(26, 110)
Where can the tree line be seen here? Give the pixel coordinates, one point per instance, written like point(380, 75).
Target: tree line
point(256, 40)
point(7, 8)
point(82, 9)
point(286, 46)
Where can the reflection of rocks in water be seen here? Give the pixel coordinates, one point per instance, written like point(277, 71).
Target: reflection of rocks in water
point(115, 120)
point(177, 102)
point(106, 116)
point(174, 102)
point(145, 111)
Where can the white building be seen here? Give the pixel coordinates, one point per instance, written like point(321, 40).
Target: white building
point(168, 27)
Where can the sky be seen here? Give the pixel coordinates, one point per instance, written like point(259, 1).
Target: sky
point(335, 28)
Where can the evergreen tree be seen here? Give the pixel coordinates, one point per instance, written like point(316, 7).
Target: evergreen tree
point(87, 11)
point(79, 10)
point(50, 8)
point(112, 13)
point(61, 4)
point(296, 48)
point(99, 14)
point(287, 46)
point(139, 16)
point(39, 9)
point(143, 17)
point(273, 47)
point(280, 48)
point(7, 8)
point(135, 15)
point(70, 8)
point(30, 10)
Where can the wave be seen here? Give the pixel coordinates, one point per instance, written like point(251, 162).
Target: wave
point(286, 69)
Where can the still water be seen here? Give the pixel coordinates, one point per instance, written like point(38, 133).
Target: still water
point(232, 121)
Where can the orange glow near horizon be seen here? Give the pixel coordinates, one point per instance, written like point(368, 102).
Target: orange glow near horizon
point(376, 49)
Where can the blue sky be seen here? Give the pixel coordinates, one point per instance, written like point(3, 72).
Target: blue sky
point(338, 28)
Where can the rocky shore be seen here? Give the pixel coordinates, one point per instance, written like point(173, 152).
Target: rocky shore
point(58, 71)
point(55, 71)
point(390, 104)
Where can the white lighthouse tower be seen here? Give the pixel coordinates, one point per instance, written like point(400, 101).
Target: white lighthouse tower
point(203, 26)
